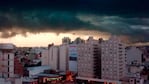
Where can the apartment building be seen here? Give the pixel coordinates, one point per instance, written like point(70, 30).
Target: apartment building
point(6, 60)
point(133, 55)
point(72, 59)
point(89, 59)
point(63, 57)
point(50, 57)
point(113, 59)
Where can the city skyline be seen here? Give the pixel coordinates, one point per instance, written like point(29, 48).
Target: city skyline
point(44, 39)
point(40, 22)
point(74, 42)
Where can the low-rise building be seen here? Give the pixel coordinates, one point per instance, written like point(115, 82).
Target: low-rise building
point(133, 55)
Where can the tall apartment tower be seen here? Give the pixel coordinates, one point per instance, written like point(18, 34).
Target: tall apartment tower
point(72, 57)
point(63, 57)
point(89, 59)
point(113, 59)
point(6, 60)
point(54, 57)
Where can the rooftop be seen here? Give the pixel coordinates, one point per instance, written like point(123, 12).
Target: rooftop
point(27, 79)
point(6, 46)
point(47, 75)
point(38, 69)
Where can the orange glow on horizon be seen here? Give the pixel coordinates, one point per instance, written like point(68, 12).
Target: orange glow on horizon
point(43, 39)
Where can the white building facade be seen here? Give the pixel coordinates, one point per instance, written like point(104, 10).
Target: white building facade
point(50, 57)
point(63, 57)
point(72, 59)
point(6, 60)
point(45, 57)
point(54, 57)
point(113, 59)
point(89, 59)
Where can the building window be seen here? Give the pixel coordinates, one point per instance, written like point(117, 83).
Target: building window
point(8, 56)
point(103, 69)
point(138, 81)
point(73, 58)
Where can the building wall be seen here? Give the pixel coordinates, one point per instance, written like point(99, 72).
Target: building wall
point(87, 63)
point(3, 81)
point(145, 50)
point(113, 59)
point(135, 69)
point(45, 57)
point(133, 55)
point(50, 57)
point(7, 63)
point(72, 60)
point(18, 80)
point(63, 56)
point(18, 67)
point(54, 57)
point(10, 80)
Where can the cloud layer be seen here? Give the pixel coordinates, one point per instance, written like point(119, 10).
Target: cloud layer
point(122, 18)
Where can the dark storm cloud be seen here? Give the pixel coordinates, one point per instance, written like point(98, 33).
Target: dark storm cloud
point(137, 28)
point(118, 17)
point(96, 6)
point(38, 19)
